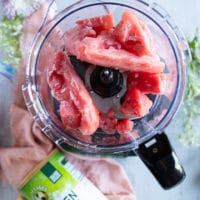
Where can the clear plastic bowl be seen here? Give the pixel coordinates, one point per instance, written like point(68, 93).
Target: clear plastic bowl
point(170, 45)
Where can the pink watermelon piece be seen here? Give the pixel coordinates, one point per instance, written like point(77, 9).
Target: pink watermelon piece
point(70, 115)
point(147, 83)
point(133, 35)
point(73, 95)
point(99, 23)
point(124, 126)
point(108, 122)
point(104, 50)
point(135, 103)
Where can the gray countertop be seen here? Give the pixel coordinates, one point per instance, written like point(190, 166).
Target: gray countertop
point(187, 15)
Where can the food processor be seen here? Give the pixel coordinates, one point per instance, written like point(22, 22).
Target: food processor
point(147, 139)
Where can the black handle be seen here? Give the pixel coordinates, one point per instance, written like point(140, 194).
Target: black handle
point(161, 159)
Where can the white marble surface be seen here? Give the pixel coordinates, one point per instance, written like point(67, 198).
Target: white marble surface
point(187, 16)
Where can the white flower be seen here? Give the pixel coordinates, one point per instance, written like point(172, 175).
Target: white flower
point(21, 7)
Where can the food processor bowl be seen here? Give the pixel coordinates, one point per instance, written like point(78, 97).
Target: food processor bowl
point(147, 138)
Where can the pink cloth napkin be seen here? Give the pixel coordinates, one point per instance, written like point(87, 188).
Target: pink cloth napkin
point(31, 146)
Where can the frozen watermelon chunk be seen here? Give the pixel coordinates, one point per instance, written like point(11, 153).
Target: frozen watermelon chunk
point(55, 77)
point(70, 114)
point(124, 126)
point(133, 35)
point(99, 23)
point(71, 89)
point(108, 122)
point(135, 104)
point(147, 83)
point(105, 51)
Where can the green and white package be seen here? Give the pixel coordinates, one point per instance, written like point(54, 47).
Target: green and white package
point(57, 179)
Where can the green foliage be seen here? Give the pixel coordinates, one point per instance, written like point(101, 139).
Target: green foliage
point(10, 33)
point(191, 106)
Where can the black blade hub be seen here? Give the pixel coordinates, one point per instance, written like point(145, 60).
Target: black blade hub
point(106, 82)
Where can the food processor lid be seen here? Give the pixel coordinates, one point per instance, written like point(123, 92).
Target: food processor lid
point(44, 108)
